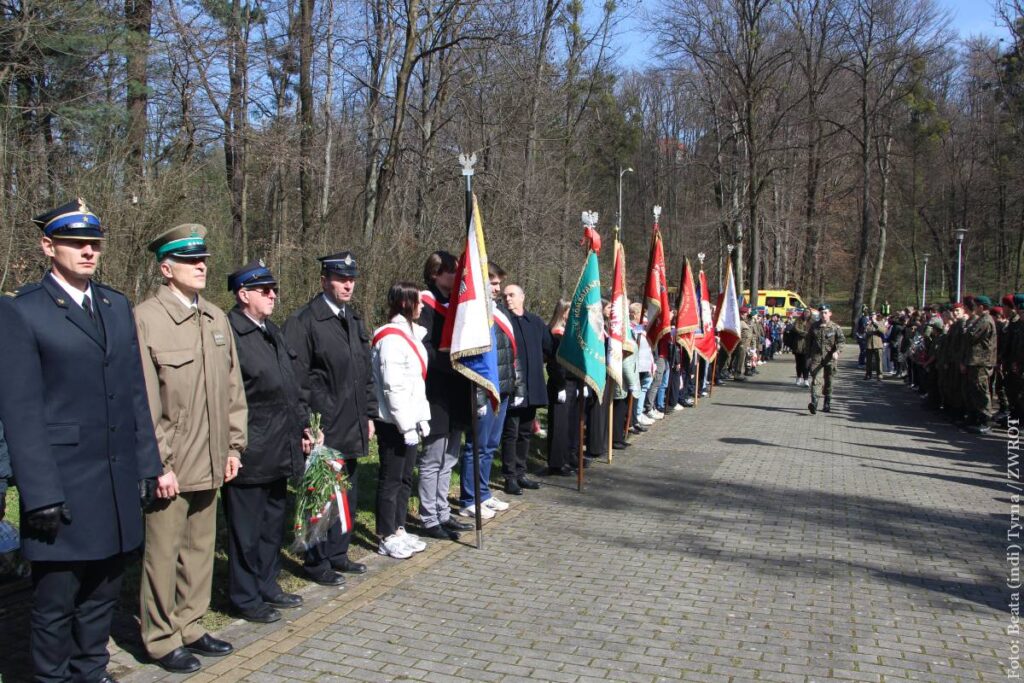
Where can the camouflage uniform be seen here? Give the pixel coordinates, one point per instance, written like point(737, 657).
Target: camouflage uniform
point(824, 342)
point(979, 358)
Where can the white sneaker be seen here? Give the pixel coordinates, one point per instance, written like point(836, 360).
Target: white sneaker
point(392, 546)
point(644, 420)
point(411, 541)
point(470, 511)
point(799, 381)
point(655, 414)
point(496, 505)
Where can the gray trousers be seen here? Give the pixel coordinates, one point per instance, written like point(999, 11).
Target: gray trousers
point(436, 462)
point(660, 365)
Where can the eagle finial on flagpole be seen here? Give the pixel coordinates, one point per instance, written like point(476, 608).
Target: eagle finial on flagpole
point(467, 161)
point(730, 247)
point(591, 239)
point(700, 257)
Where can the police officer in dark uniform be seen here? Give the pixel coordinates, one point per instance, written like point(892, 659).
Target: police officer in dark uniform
point(84, 483)
point(254, 502)
point(332, 362)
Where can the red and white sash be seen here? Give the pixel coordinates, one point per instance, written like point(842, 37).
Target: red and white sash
point(427, 298)
point(502, 321)
point(394, 328)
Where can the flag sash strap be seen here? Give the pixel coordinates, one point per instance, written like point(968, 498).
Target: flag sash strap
point(505, 325)
point(394, 329)
point(428, 299)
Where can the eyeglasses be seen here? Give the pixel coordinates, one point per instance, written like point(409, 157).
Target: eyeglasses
point(265, 290)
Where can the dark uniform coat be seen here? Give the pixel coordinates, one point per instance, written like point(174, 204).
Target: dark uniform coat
point(333, 364)
point(533, 345)
point(447, 390)
point(277, 414)
point(99, 435)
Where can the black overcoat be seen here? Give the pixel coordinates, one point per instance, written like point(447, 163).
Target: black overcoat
point(277, 412)
point(333, 366)
point(533, 345)
point(99, 435)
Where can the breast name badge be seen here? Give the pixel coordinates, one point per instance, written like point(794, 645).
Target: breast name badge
point(219, 339)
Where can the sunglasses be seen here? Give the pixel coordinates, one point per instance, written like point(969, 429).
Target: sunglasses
point(265, 290)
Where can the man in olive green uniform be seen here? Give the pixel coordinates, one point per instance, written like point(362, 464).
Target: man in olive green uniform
point(952, 381)
point(824, 344)
point(874, 343)
point(197, 401)
point(978, 360)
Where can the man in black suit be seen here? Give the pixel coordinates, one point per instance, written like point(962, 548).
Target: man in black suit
point(73, 404)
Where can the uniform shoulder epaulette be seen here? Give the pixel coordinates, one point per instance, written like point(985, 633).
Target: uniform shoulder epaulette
point(103, 285)
point(27, 289)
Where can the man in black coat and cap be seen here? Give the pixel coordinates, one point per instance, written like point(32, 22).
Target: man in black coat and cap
point(332, 363)
point(254, 501)
point(76, 418)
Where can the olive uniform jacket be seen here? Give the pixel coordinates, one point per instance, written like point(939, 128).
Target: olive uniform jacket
point(198, 423)
point(824, 341)
point(980, 341)
point(78, 381)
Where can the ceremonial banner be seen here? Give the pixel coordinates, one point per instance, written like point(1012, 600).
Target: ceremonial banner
point(620, 342)
point(705, 342)
point(467, 324)
point(727, 321)
point(656, 291)
point(581, 350)
point(688, 315)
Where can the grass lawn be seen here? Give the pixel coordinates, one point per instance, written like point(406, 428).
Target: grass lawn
point(291, 579)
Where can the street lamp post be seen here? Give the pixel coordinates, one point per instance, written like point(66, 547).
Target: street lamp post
point(959, 234)
point(618, 218)
point(924, 282)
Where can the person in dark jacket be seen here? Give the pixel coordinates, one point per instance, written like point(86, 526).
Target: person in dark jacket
point(533, 345)
point(82, 445)
point(254, 502)
point(5, 472)
point(563, 403)
point(448, 395)
point(511, 385)
point(332, 362)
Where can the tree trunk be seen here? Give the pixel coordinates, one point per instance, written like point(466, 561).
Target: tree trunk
point(328, 118)
point(865, 198)
point(138, 16)
point(883, 218)
point(306, 131)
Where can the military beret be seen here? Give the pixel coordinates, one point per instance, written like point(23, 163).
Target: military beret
point(825, 307)
point(343, 263)
point(71, 221)
point(1007, 301)
point(186, 241)
point(744, 310)
point(996, 310)
point(983, 300)
point(1018, 299)
point(252, 274)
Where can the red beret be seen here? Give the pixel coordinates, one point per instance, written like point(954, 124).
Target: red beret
point(1008, 301)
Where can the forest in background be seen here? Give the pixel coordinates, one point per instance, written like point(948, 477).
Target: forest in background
point(835, 143)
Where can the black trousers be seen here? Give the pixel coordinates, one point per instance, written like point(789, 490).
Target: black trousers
point(334, 548)
point(874, 362)
point(255, 516)
point(515, 441)
point(72, 607)
point(597, 424)
point(394, 480)
point(563, 426)
point(619, 419)
point(801, 365)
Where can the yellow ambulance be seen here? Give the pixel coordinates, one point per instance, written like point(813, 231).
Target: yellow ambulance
point(779, 301)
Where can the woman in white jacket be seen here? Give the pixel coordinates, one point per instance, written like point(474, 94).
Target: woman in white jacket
point(399, 362)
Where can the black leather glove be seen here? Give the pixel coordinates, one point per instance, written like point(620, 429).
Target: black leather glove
point(44, 523)
point(147, 492)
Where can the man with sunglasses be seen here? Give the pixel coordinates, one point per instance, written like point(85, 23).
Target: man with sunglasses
point(254, 502)
point(197, 402)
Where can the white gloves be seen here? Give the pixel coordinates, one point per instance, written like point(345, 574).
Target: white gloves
point(586, 391)
point(481, 411)
point(561, 396)
point(518, 401)
point(411, 438)
point(424, 428)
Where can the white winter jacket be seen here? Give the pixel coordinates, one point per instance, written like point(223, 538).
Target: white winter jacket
point(399, 362)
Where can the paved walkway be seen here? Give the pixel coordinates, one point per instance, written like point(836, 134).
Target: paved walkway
point(740, 541)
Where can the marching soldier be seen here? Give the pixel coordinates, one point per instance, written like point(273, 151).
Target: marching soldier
point(197, 402)
point(824, 345)
point(73, 406)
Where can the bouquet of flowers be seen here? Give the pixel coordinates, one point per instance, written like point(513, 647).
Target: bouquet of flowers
point(320, 499)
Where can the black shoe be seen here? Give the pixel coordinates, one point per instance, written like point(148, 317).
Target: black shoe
point(637, 429)
point(452, 524)
point(619, 445)
point(328, 577)
point(284, 600)
point(512, 488)
point(827, 408)
point(563, 471)
point(106, 678)
point(435, 532)
point(263, 614)
point(813, 407)
point(688, 403)
point(208, 646)
point(348, 566)
point(527, 483)
point(179, 661)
